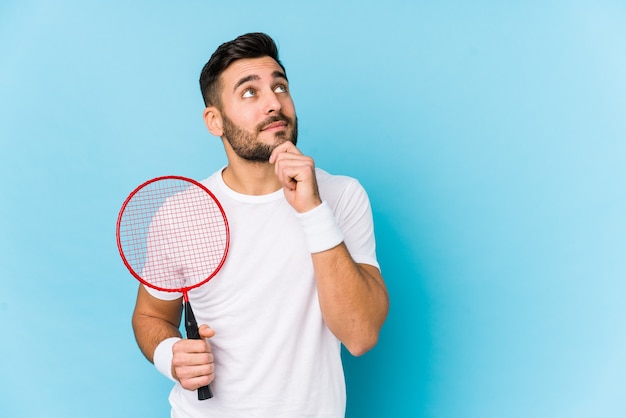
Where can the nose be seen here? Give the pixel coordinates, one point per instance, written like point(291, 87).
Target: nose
point(272, 104)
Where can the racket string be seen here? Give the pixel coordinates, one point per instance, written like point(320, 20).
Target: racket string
point(173, 234)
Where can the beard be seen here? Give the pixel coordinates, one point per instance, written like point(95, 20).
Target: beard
point(246, 144)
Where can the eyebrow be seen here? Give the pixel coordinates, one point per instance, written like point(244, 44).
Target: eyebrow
point(254, 77)
point(280, 74)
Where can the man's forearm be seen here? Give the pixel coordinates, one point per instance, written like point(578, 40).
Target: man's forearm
point(353, 298)
point(149, 332)
point(154, 320)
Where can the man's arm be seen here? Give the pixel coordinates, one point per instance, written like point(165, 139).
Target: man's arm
point(154, 320)
point(353, 297)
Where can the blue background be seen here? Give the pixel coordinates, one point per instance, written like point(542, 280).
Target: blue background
point(490, 135)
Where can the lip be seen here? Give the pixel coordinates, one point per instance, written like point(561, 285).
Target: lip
point(275, 125)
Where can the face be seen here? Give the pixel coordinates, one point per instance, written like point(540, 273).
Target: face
point(257, 110)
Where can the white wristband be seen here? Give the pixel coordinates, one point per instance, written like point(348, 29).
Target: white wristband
point(320, 229)
point(163, 356)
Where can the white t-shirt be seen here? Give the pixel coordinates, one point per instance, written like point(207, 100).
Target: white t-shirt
point(274, 355)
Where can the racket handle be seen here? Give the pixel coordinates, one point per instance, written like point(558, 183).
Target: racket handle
point(204, 393)
point(191, 326)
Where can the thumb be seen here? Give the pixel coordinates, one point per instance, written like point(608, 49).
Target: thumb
point(206, 331)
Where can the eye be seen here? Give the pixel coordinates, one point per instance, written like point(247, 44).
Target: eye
point(280, 88)
point(248, 93)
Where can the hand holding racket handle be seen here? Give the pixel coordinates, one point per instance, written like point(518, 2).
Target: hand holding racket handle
point(191, 326)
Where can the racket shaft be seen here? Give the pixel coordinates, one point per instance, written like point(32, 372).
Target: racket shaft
point(191, 327)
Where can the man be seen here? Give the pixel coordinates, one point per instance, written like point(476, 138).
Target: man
point(301, 277)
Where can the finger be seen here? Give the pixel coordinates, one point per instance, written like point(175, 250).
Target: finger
point(191, 360)
point(191, 346)
point(293, 170)
point(290, 161)
point(206, 331)
point(194, 377)
point(194, 383)
point(285, 147)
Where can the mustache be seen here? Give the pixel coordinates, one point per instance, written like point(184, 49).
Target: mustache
point(273, 119)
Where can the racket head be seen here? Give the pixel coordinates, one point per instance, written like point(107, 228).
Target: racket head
point(172, 234)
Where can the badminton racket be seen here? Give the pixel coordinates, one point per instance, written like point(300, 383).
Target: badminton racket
point(173, 236)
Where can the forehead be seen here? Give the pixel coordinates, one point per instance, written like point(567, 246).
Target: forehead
point(264, 67)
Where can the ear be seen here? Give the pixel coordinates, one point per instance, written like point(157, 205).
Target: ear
point(213, 120)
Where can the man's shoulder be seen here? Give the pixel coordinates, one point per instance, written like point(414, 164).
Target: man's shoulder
point(335, 188)
point(327, 179)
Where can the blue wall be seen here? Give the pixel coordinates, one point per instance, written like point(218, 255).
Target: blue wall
point(491, 138)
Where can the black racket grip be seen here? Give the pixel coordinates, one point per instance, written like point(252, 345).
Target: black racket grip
point(191, 326)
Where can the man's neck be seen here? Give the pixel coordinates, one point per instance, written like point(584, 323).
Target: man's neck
point(251, 178)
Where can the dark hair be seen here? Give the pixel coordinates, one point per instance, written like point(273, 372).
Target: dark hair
point(250, 45)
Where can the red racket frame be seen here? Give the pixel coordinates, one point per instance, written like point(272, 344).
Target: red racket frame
point(184, 290)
